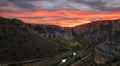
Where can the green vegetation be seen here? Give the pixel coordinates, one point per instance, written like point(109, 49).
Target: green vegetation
point(68, 43)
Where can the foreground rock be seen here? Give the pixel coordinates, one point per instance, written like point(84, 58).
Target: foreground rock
point(107, 52)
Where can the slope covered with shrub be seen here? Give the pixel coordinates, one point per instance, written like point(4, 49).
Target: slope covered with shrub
point(71, 44)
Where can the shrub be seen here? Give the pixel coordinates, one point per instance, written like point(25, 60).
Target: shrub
point(67, 43)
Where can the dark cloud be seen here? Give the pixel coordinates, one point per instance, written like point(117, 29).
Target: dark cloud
point(64, 18)
point(20, 0)
point(102, 5)
point(85, 5)
point(35, 17)
point(20, 5)
point(24, 5)
point(12, 11)
point(55, 17)
point(3, 3)
point(60, 4)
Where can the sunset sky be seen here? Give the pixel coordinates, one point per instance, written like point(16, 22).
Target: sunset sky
point(66, 13)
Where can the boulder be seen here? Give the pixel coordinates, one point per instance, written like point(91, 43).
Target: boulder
point(107, 52)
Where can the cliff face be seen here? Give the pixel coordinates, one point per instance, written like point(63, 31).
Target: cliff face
point(103, 37)
point(52, 31)
point(18, 42)
point(97, 36)
point(97, 32)
point(108, 52)
point(92, 33)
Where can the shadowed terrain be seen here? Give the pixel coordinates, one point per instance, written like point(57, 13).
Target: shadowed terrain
point(93, 44)
point(18, 42)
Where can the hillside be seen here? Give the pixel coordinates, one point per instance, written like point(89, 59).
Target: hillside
point(53, 31)
point(87, 34)
point(19, 43)
point(103, 39)
point(91, 36)
point(92, 43)
point(98, 32)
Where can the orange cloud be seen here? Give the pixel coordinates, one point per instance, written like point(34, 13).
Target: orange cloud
point(64, 18)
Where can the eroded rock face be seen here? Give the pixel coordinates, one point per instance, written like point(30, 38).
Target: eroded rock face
point(53, 31)
point(96, 32)
point(107, 52)
point(99, 59)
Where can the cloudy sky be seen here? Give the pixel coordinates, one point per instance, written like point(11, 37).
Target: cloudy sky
point(60, 12)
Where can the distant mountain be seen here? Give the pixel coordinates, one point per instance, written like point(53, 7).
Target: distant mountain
point(91, 33)
point(99, 39)
point(53, 31)
point(91, 36)
point(18, 42)
point(57, 34)
point(97, 32)
point(103, 39)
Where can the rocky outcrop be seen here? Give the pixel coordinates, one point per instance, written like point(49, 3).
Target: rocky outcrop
point(52, 31)
point(97, 32)
point(107, 52)
point(88, 34)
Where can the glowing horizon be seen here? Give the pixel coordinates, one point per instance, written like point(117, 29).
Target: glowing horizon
point(62, 13)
